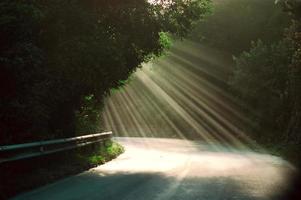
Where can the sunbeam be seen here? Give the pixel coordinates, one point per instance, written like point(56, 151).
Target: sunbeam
point(182, 95)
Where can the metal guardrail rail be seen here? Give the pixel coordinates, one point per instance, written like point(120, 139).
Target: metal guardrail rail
point(28, 150)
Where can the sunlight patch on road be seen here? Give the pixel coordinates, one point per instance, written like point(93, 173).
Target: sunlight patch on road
point(258, 175)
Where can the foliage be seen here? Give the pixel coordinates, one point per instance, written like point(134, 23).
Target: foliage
point(24, 175)
point(114, 149)
point(235, 23)
point(23, 77)
point(105, 153)
point(293, 7)
point(165, 40)
point(260, 81)
point(88, 117)
point(293, 35)
point(267, 79)
point(56, 53)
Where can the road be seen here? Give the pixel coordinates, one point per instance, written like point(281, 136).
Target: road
point(157, 169)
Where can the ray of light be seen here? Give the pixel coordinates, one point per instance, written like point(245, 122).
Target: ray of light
point(181, 95)
point(176, 107)
point(204, 104)
point(151, 104)
point(194, 109)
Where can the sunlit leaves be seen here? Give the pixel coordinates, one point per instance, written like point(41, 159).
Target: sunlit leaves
point(165, 40)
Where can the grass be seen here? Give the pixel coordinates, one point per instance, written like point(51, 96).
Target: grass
point(105, 153)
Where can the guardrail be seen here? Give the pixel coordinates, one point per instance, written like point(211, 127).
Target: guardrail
point(28, 150)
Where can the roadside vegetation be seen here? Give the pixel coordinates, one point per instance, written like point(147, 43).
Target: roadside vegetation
point(264, 40)
point(103, 154)
point(267, 78)
point(23, 175)
point(234, 24)
point(59, 59)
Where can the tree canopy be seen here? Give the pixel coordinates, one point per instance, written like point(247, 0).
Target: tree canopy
point(59, 58)
point(267, 78)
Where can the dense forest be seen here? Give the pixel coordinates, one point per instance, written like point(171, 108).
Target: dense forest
point(60, 58)
point(264, 41)
point(267, 78)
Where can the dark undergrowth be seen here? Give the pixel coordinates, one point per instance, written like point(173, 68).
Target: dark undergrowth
point(24, 175)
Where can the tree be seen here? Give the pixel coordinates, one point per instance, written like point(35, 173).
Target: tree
point(57, 53)
point(235, 23)
point(267, 79)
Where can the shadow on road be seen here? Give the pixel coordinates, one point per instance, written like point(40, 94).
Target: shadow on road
point(144, 186)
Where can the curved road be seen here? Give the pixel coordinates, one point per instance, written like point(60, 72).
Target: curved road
point(157, 169)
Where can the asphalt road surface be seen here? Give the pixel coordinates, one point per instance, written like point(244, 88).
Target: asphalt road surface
point(157, 169)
